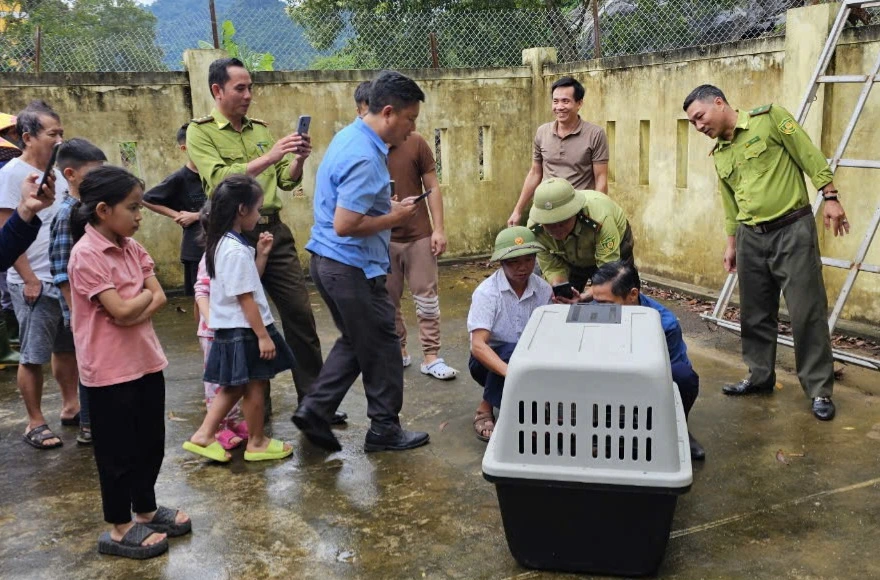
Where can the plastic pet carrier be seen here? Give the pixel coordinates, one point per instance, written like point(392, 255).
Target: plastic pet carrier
point(590, 451)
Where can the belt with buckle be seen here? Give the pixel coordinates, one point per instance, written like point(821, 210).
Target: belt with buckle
point(269, 219)
point(781, 222)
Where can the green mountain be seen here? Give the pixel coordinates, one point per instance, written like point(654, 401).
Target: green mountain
point(261, 25)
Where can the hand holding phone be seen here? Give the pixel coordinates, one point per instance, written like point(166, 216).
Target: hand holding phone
point(49, 168)
point(419, 198)
point(564, 290)
point(302, 126)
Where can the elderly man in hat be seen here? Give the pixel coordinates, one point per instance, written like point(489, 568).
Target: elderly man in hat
point(500, 308)
point(580, 231)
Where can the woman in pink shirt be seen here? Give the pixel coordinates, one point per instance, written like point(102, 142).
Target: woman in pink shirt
point(114, 294)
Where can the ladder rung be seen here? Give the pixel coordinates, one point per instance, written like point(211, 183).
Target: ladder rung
point(861, 4)
point(848, 264)
point(863, 163)
point(846, 78)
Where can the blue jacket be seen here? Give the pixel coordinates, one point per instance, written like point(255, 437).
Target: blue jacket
point(15, 237)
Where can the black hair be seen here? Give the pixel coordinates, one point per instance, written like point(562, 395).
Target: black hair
point(231, 193)
point(392, 88)
point(362, 93)
point(181, 134)
point(76, 152)
point(570, 82)
point(28, 120)
point(703, 93)
point(107, 184)
point(622, 275)
point(218, 72)
point(204, 220)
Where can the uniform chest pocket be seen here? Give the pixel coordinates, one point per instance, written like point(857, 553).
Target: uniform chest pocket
point(231, 155)
point(756, 158)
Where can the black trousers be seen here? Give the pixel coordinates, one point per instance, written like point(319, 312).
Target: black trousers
point(128, 429)
point(364, 314)
point(285, 284)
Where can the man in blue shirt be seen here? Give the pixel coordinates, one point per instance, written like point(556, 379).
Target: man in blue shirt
point(619, 283)
point(354, 213)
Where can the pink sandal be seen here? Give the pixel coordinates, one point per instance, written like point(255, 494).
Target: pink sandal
point(241, 429)
point(225, 437)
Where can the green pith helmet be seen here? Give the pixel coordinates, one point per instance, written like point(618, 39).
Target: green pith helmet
point(515, 242)
point(555, 201)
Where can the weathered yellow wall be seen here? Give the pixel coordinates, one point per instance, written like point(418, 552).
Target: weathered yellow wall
point(108, 109)
point(678, 229)
point(459, 101)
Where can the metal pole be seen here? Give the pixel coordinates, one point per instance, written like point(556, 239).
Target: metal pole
point(597, 44)
point(435, 58)
point(214, 24)
point(38, 42)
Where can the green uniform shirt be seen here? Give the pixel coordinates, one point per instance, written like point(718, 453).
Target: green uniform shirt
point(585, 246)
point(218, 150)
point(761, 170)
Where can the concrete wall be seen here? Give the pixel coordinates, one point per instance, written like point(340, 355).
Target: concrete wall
point(109, 109)
point(662, 174)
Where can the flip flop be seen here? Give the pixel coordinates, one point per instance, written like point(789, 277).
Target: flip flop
point(213, 451)
point(130, 545)
point(439, 370)
point(275, 450)
point(225, 437)
point(165, 522)
point(40, 433)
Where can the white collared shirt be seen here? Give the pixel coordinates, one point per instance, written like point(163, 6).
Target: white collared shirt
point(496, 307)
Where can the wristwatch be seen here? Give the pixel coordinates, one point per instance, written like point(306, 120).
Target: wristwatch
point(829, 194)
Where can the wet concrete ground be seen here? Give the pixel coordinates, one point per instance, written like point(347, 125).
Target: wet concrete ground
point(428, 513)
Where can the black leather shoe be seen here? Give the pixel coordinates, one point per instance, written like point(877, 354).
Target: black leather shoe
point(697, 451)
point(823, 408)
point(747, 387)
point(339, 418)
point(398, 440)
point(316, 429)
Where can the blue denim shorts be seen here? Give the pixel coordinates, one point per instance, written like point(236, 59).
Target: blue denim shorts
point(234, 359)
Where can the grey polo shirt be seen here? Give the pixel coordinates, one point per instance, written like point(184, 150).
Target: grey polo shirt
point(573, 156)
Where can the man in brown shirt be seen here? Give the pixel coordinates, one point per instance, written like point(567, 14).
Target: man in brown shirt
point(568, 147)
point(415, 245)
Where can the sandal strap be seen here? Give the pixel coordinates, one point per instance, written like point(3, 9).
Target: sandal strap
point(41, 433)
point(164, 515)
point(136, 535)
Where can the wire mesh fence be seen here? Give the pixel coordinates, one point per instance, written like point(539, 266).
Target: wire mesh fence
point(266, 36)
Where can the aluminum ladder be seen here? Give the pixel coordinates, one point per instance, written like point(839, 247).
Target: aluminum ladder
point(857, 264)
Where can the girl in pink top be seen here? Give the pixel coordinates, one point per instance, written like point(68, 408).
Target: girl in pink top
point(114, 293)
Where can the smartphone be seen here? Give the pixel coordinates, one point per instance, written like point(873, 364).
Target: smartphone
point(565, 290)
point(302, 126)
point(49, 168)
point(419, 198)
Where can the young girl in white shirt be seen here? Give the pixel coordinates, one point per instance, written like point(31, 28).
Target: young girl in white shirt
point(247, 350)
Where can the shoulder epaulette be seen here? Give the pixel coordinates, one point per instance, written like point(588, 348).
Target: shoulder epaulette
point(589, 222)
point(260, 122)
point(760, 111)
point(203, 120)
